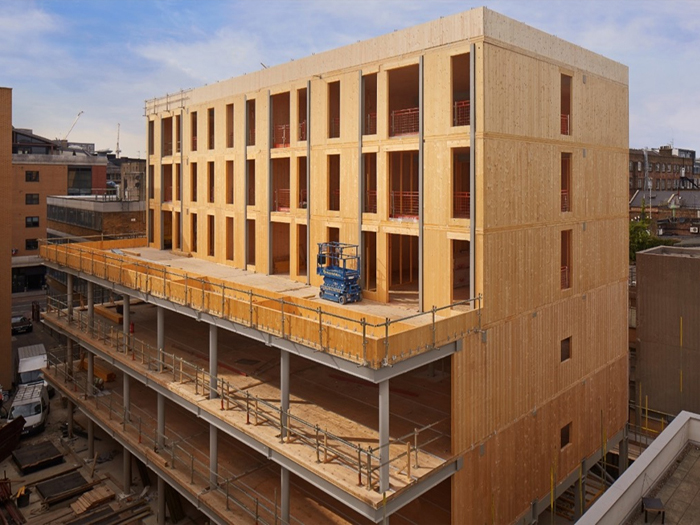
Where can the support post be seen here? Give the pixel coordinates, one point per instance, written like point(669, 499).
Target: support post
point(384, 436)
point(213, 360)
point(91, 439)
point(90, 374)
point(160, 334)
point(161, 501)
point(126, 470)
point(69, 360)
point(126, 318)
point(69, 296)
point(213, 456)
point(127, 396)
point(161, 421)
point(284, 507)
point(91, 306)
point(624, 451)
point(284, 391)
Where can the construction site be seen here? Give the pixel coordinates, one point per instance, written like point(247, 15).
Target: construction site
point(384, 287)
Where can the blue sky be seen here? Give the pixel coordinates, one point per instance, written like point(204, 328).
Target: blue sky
point(106, 57)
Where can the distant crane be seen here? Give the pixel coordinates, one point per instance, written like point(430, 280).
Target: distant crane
point(118, 151)
point(72, 126)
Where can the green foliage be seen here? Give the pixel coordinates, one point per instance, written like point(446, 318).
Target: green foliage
point(642, 239)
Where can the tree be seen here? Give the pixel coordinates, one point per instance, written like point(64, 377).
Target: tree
point(642, 239)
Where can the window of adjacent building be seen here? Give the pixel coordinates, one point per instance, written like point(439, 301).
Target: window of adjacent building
point(211, 235)
point(334, 110)
point(460, 90)
point(229, 125)
point(565, 349)
point(31, 176)
point(250, 122)
point(151, 136)
point(31, 198)
point(31, 222)
point(566, 105)
point(79, 180)
point(211, 128)
point(566, 259)
point(31, 244)
point(631, 165)
point(193, 182)
point(334, 182)
point(229, 182)
point(565, 435)
point(565, 182)
point(211, 178)
point(193, 130)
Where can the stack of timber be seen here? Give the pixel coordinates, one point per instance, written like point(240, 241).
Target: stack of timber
point(9, 513)
point(31, 458)
point(92, 499)
point(113, 514)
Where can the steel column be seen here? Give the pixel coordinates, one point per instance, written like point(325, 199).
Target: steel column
point(284, 507)
point(213, 360)
point(90, 390)
point(384, 436)
point(91, 305)
point(160, 338)
point(91, 438)
point(624, 452)
point(69, 295)
point(284, 390)
point(161, 501)
point(126, 470)
point(127, 396)
point(126, 316)
point(161, 421)
point(213, 456)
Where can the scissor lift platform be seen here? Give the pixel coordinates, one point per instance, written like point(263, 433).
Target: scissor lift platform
point(338, 263)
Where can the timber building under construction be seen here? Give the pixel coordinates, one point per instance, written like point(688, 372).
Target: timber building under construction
point(478, 165)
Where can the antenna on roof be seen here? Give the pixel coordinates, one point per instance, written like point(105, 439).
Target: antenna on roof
point(118, 151)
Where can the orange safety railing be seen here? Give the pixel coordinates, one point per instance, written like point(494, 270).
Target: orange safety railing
point(404, 121)
point(404, 204)
point(281, 136)
point(302, 130)
point(461, 205)
point(371, 201)
point(461, 113)
point(565, 277)
point(371, 124)
point(334, 128)
point(302, 198)
point(281, 200)
point(565, 130)
point(565, 204)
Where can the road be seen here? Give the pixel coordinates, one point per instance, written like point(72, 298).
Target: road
point(22, 302)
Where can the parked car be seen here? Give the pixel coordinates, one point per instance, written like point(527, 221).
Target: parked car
point(21, 324)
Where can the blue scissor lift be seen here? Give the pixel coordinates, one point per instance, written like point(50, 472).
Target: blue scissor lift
point(339, 265)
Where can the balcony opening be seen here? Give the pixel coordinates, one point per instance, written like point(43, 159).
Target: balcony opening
point(281, 135)
point(176, 231)
point(333, 234)
point(334, 182)
point(403, 275)
point(566, 105)
point(460, 183)
point(229, 182)
point(151, 225)
point(250, 122)
point(370, 162)
point(565, 182)
point(229, 125)
point(251, 183)
point(211, 235)
point(280, 248)
point(404, 110)
point(167, 221)
point(301, 114)
point(177, 183)
point(369, 261)
point(210, 128)
point(193, 232)
point(167, 182)
point(229, 238)
point(151, 136)
point(211, 181)
point(369, 98)
point(334, 110)
point(193, 130)
point(403, 185)
point(460, 270)
point(461, 84)
point(167, 136)
point(151, 183)
point(566, 259)
point(565, 349)
point(302, 248)
point(301, 182)
point(250, 259)
point(280, 185)
point(177, 133)
point(193, 182)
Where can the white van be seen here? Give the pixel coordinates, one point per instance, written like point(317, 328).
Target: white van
point(31, 402)
point(31, 360)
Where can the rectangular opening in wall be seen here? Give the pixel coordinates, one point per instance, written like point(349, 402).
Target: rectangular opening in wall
point(151, 182)
point(369, 97)
point(177, 183)
point(210, 128)
point(193, 182)
point(193, 130)
point(404, 110)
point(193, 232)
point(333, 234)
point(229, 238)
point(151, 224)
point(302, 248)
point(177, 133)
point(250, 122)
point(251, 183)
point(370, 168)
point(334, 182)
point(281, 136)
point(301, 114)
point(167, 136)
point(566, 105)
point(280, 248)
point(403, 185)
point(281, 198)
point(151, 136)
point(565, 436)
point(176, 231)
point(211, 235)
point(460, 183)
point(369, 261)
point(460, 270)
point(334, 110)
point(301, 182)
point(565, 349)
point(166, 218)
point(566, 259)
point(167, 182)
point(229, 125)
point(250, 225)
point(461, 81)
point(211, 181)
point(565, 182)
point(229, 182)
point(403, 274)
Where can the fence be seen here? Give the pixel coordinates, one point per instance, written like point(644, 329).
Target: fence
point(404, 204)
point(281, 200)
point(404, 122)
point(461, 113)
point(565, 200)
point(461, 205)
point(565, 130)
point(281, 136)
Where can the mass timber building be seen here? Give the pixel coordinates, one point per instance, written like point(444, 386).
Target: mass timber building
point(479, 166)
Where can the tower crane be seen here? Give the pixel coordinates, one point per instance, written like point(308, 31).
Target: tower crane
point(72, 126)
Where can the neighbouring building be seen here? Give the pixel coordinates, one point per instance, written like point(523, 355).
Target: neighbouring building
point(6, 361)
point(474, 163)
point(665, 169)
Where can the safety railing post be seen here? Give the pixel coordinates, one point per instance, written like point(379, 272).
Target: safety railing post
point(364, 340)
point(320, 328)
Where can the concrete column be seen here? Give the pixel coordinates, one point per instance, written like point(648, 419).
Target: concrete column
point(624, 451)
point(284, 496)
point(127, 396)
point(161, 501)
point(90, 390)
point(213, 360)
point(126, 316)
point(71, 407)
point(213, 456)
point(284, 390)
point(91, 438)
point(126, 470)
point(384, 436)
point(69, 295)
point(91, 306)
point(161, 421)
